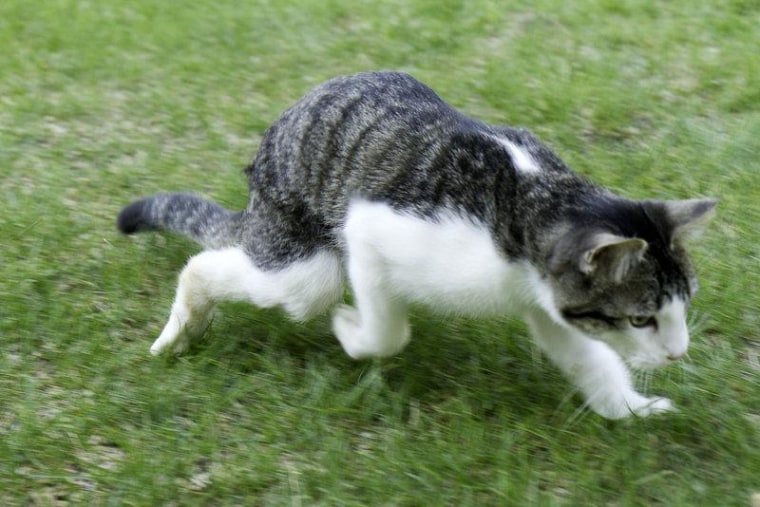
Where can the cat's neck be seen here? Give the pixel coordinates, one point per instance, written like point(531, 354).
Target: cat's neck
point(530, 206)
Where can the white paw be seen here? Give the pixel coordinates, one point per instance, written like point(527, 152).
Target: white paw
point(654, 406)
point(362, 342)
point(347, 328)
point(632, 405)
point(178, 332)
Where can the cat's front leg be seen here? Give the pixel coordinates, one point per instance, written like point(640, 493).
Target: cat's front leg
point(597, 370)
point(378, 325)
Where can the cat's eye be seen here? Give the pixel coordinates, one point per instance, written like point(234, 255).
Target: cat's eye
point(642, 321)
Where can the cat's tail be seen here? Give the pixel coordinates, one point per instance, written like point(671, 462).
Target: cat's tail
point(203, 221)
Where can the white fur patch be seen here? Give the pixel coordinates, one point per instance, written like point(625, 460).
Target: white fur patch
point(522, 160)
point(303, 289)
point(451, 264)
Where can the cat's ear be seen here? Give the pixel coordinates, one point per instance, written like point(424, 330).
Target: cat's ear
point(611, 256)
point(688, 218)
point(596, 254)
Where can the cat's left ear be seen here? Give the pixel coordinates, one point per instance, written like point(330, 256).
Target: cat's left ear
point(612, 256)
point(688, 218)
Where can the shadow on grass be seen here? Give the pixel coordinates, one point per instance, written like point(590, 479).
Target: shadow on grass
point(488, 364)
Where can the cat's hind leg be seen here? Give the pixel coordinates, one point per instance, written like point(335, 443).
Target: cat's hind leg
point(595, 369)
point(304, 288)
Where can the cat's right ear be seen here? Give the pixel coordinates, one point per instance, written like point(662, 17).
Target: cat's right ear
point(689, 218)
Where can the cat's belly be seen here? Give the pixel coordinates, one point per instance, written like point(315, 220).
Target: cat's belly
point(451, 264)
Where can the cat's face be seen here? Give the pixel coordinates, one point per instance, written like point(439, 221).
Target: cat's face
point(642, 317)
point(630, 291)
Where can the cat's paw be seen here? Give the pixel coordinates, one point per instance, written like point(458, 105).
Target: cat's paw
point(653, 406)
point(632, 405)
point(348, 329)
point(178, 332)
point(361, 341)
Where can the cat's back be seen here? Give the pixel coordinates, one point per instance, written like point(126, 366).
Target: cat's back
point(366, 96)
point(386, 137)
point(381, 135)
point(342, 119)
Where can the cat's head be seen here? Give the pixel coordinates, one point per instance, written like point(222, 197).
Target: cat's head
point(619, 273)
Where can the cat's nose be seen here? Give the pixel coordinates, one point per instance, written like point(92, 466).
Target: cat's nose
point(678, 342)
point(675, 356)
point(676, 352)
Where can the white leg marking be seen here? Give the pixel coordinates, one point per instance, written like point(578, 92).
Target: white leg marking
point(378, 326)
point(597, 371)
point(303, 289)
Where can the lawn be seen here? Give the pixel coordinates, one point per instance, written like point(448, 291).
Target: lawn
point(104, 102)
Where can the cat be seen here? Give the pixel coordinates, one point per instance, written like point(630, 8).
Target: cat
point(374, 178)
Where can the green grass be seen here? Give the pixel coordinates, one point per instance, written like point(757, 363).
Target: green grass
point(102, 102)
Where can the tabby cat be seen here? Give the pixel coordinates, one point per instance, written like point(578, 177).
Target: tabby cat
point(375, 179)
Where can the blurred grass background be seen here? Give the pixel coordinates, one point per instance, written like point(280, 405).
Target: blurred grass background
point(103, 102)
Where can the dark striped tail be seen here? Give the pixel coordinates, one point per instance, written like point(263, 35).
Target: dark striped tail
point(188, 214)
